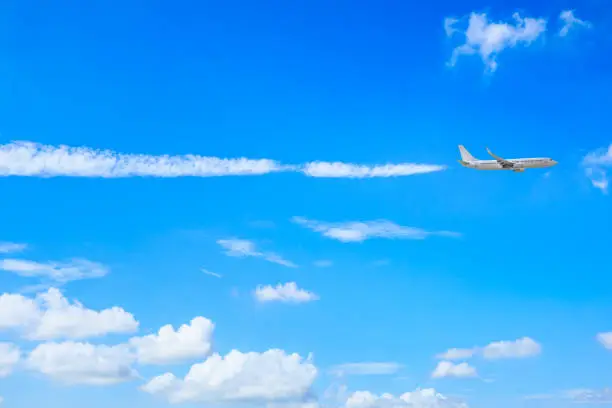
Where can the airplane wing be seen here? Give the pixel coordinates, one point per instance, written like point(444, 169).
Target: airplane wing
point(504, 163)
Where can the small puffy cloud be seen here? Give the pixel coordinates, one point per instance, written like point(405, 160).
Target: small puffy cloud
point(11, 247)
point(51, 316)
point(596, 165)
point(245, 248)
point(271, 376)
point(168, 346)
point(82, 363)
point(287, 293)
point(420, 398)
point(347, 170)
point(60, 272)
point(367, 368)
point(605, 339)
point(457, 354)
point(9, 357)
point(489, 39)
point(449, 369)
point(570, 21)
point(520, 348)
point(359, 231)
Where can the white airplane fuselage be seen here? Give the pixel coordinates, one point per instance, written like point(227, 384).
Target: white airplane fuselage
point(517, 165)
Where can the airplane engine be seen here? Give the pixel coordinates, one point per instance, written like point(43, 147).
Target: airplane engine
point(518, 170)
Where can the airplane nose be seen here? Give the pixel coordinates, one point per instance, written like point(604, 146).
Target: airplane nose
point(554, 162)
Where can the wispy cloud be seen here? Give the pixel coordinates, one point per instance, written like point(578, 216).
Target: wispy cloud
point(578, 396)
point(596, 165)
point(358, 231)
point(286, 293)
point(11, 247)
point(520, 348)
point(366, 368)
point(29, 159)
point(489, 39)
point(323, 263)
point(245, 248)
point(60, 272)
point(210, 273)
point(570, 21)
point(605, 339)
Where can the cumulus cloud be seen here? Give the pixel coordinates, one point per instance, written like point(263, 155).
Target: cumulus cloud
point(367, 368)
point(605, 339)
point(449, 369)
point(420, 398)
point(60, 272)
point(570, 21)
point(83, 363)
point(246, 248)
point(358, 231)
point(520, 348)
point(596, 165)
point(489, 39)
point(271, 376)
point(287, 293)
point(24, 158)
point(347, 170)
point(51, 316)
point(10, 247)
point(9, 357)
point(168, 346)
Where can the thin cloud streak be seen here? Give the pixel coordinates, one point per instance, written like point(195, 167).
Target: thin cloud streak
point(29, 159)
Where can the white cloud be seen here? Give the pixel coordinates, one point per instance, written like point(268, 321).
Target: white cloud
point(489, 39)
point(570, 21)
point(358, 231)
point(589, 396)
point(24, 158)
point(347, 170)
point(9, 356)
point(449, 369)
point(368, 368)
point(271, 376)
point(83, 363)
point(10, 247)
point(323, 263)
point(210, 273)
point(520, 348)
point(32, 159)
point(596, 164)
point(605, 339)
point(51, 316)
point(245, 248)
point(169, 346)
point(59, 272)
point(420, 398)
point(288, 293)
point(457, 354)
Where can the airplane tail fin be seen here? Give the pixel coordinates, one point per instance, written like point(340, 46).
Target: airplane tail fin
point(465, 155)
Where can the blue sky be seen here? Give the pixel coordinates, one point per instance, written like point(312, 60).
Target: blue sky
point(281, 178)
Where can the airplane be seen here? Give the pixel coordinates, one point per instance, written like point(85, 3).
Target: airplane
point(516, 165)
